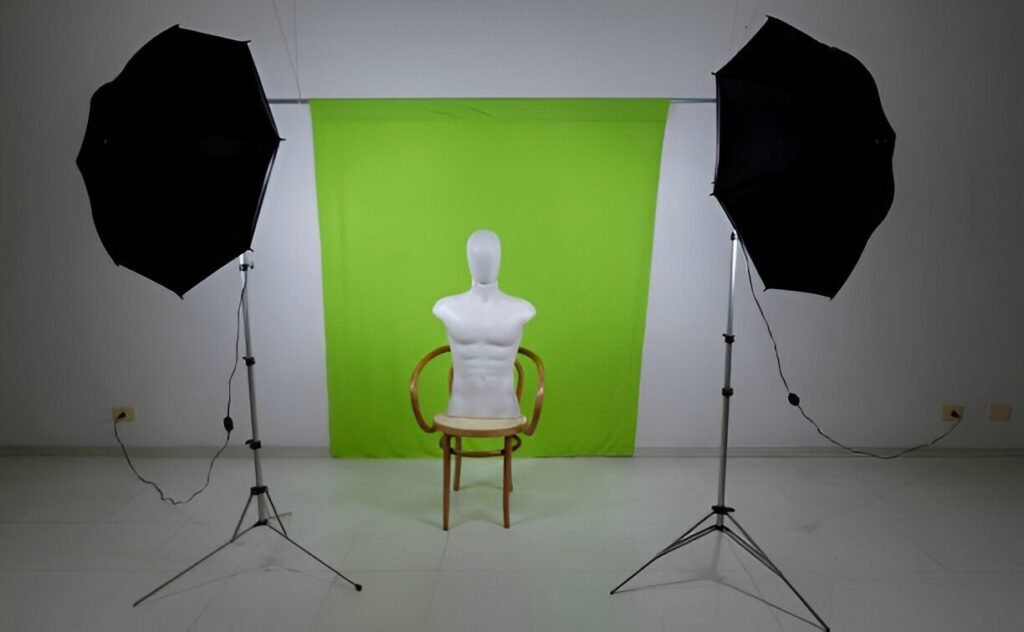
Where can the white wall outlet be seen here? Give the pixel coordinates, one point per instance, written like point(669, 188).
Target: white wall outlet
point(999, 412)
point(949, 409)
point(124, 413)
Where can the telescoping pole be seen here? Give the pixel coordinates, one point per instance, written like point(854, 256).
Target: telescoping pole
point(245, 264)
point(727, 385)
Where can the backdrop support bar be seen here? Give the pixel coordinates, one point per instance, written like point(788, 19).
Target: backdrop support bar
point(674, 100)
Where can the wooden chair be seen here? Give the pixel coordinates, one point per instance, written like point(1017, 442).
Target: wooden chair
point(459, 427)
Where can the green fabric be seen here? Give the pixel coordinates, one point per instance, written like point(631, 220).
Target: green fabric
point(568, 185)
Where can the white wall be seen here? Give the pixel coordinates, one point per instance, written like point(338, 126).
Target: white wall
point(929, 316)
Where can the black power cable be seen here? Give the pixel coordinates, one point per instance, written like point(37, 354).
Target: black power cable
point(229, 424)
point(794, 400)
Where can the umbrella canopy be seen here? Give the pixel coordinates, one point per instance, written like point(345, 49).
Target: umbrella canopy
point(176, 156)
point(804, 158)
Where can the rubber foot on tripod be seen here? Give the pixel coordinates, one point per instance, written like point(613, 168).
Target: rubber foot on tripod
point(359, 588)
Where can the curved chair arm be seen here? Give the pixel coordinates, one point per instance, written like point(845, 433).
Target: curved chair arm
point(414, 387)
point(539, 402)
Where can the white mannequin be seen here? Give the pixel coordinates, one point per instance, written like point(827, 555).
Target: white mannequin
point(484, 328)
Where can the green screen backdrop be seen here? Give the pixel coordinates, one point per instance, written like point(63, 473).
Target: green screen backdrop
point(568, 185)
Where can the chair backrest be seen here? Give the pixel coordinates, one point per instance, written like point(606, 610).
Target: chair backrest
point(538, 402)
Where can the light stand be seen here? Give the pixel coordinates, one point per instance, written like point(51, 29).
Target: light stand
point(720, 511)
point(259, 491)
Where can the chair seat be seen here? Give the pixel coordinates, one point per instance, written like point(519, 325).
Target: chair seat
point(479, 426)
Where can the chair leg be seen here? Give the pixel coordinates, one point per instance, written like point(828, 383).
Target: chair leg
point(508, 478)
point(458, 462)
point(446, 451)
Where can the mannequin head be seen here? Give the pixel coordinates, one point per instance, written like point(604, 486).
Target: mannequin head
point(484, 253)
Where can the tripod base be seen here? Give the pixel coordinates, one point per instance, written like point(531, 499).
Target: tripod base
point(721, 513)
point(262, 521)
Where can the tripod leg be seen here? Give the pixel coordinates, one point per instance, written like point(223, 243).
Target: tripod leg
point(245, 510)
point(678, 544)
point(276, 515)
point(754, 544)
point(670, 548)
point(201, 560)
point(307, 552)
point(755, 551)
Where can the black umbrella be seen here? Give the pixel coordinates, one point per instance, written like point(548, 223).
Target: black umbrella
point(176, 156)
point(804, 158)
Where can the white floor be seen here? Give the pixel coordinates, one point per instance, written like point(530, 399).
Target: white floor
point(912, 544)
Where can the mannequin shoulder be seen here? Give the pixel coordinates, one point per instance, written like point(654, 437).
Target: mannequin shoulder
point(521, 308)
point(442, 307)
point(448, 305)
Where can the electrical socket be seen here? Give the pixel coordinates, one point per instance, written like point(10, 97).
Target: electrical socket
point(124, 413)
point(999, 412)
point(949, 409)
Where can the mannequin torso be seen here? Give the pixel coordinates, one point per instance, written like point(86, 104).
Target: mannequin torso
point(484, 327)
